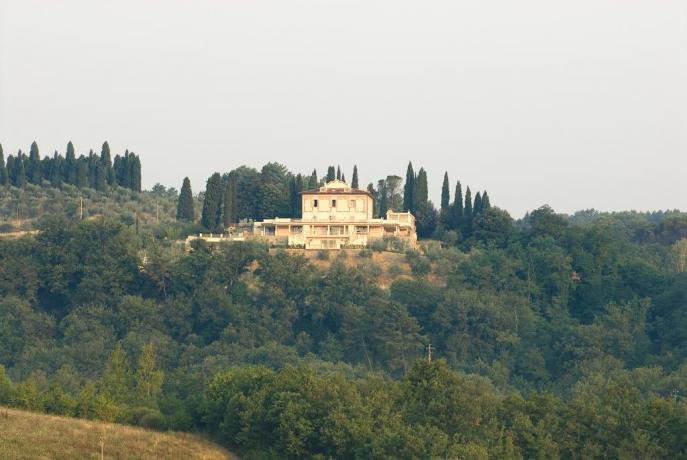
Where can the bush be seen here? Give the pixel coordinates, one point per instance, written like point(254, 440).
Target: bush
point(395, 270)
point(419, 264)
point(365, 254)
point(323, 254)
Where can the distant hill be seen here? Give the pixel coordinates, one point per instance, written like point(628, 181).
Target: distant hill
point(28, 435)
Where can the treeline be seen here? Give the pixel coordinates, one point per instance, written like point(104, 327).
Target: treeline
point(95, 171)
point(248, 194)
point(560, 340)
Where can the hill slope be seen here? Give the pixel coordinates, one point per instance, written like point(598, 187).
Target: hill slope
point(28, 435)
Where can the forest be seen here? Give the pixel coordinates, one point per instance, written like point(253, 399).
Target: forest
point(552, 336)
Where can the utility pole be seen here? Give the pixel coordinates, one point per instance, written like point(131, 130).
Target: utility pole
point(429, 353)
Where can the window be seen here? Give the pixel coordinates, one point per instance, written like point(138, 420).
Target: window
point(351, 204)
point(314, 203)
point(333, 204)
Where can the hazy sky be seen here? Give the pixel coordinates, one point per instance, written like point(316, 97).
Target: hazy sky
point(577, 104)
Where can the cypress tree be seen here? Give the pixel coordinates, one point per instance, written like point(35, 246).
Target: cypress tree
point(93, 170)
point(373, 193)
point(299, 202)
point(10, 170)
point(331, 174)
point(445, 202)
point(19, 174)
point(457, 208)
point(408, 198)
point(354, 181)
point(313, 179)
point(4, 176)
point(343, 177)
point(212, 211)
point(485, 201)
point(70, 165)
point(106, 161)
point(466, 227)
point(82, 172)
point(100, 177)
point(420, 192)
point(185, 205)
point(229, 202)
point(56, 170)
point(382, 206)
point(34, 169)
point(135, 172)
point(338, 173)
point(477, 208)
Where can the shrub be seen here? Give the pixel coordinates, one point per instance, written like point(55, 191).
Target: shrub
point(419, 264)
point(323, 254)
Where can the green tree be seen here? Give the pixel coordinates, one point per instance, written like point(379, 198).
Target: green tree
point(56, 166)
point(70, 170)
point(354, 180)
point(81, 172)
point(106, 161)
point(135, 172)
point(4, 176)
point(338, 173)
point(457, 208)
point(19, 174)
point(486, 204)
point(34, 169)
point(466, 227)
point(148, 378)
point(117, 379)
point(229, 202)
point(185, 204)
point(408, 190)
point(477, 208)
point(212, 210)
point(382, 203)
point(312, 184)
point(445, 200)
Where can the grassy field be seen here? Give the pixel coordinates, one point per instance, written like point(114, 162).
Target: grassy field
point(27, 435)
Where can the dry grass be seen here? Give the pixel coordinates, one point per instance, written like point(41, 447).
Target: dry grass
point(27, 435)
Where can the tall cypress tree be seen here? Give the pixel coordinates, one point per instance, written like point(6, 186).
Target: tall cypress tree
point(420, 190)
point(135, 172)
point(56, 170)
point(185, 205)
point(371, 190)
point(212, 210)
point(229, 202)
point(485, 201)
point(382, 202)
point(338, 173)
point(70, 168)
point(477, 208)
point(408, 189)
point(312, 183)
point(466, 227)
point(457, 208)
point(445, 212)
point(354, 180)
point(106, 160)
point(343, 177)
point(331, 174)
point(19, 173)
point(82, 172)
point(4, 176)
point(34, 169)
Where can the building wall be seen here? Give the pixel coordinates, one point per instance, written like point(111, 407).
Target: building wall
point(340, 207)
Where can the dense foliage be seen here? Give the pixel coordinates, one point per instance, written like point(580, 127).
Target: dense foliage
point(554, 337)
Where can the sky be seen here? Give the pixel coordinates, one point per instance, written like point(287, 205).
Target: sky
point(573, 104)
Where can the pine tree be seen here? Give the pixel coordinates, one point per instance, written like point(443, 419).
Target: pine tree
point(4, 176)
point(477, 208)
point(229, 204)
point(185, 205)
point(312, 184)
point(457, 208)
point(331, 174)
point(408, 189)
point(148, 378)
point(19, 174)
point(338, 173)
point(485, 201)
point(354, 180)
point(34, 169)
point(212, 211)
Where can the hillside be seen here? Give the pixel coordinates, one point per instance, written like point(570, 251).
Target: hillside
point(27, 435)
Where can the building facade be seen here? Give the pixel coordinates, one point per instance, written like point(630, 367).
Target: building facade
point(336, 216)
